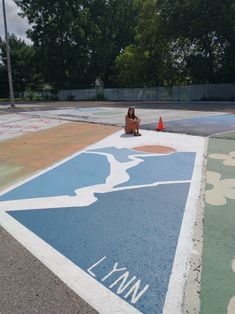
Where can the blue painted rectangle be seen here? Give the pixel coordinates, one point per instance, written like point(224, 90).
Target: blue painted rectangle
point(137, 228)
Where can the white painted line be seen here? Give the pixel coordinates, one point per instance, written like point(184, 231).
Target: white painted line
point(175, 294)
point(69, 201)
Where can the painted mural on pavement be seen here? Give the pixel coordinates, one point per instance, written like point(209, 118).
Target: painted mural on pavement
point(13, 125)
point(149, 118)
point(119, 214)
point(218, 269)
point(208, 125)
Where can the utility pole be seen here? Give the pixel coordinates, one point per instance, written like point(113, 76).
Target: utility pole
point(8, 58)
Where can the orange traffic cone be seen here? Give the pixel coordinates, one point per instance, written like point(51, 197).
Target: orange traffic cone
point(160, 125)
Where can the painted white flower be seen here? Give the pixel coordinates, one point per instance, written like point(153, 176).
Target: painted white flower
point(221, 190)
point(228, 160)
point(231, 306)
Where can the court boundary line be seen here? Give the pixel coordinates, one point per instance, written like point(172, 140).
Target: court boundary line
point(175, 294)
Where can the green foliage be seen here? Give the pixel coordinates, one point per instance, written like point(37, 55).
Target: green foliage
point(23, 66)
point(203, 32)
point(59, 37)
point(114, 23)
point(125, 43)
point(189, 41)
point(147, 62)
point(78, 40)
point(4, 90)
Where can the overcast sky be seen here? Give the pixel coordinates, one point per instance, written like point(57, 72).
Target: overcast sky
point(15, 23)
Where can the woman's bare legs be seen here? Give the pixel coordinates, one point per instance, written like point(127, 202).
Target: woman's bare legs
point(133, 128)
point(136, 131)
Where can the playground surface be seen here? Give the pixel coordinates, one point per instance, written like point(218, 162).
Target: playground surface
point(119, 219)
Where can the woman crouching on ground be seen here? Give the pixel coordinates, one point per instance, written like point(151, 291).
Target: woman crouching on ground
point(132, 122)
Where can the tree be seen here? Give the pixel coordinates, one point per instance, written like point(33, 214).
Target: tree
point(4, 90)
point(182, 41)
point(59, 40)
point(77, 41)
point(132, 42)
point(146, 62)
point(22, 61)
point(204, 35)
point(114, 28)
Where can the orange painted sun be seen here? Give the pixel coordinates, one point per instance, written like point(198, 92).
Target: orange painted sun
point(157, 149)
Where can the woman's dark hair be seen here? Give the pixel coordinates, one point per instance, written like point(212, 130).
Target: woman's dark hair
point(131, 116)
